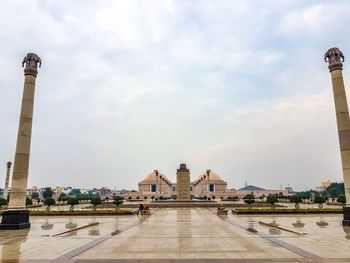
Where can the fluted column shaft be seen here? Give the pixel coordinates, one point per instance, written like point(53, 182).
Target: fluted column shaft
point(343, 123)
point(21, 165)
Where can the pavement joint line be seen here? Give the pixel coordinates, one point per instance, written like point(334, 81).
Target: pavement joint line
point(76, 252)
point(275, 240)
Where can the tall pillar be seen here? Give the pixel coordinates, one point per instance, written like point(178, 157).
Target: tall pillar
point(335, 58)
point(17, 217)
point(183, 183)
point(6, 190)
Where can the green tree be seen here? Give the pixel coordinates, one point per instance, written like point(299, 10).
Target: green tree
point(129, 197)
point(118, 200)
point(272, 199)
point(72, 201)
point(296, 199)
point(48, 193)
point(95, 201)
point(3, 201)
point(49, 202)
point(249, 199)
point(320, 200)
point(137, 197)
point(152, 197)
point(213, 197)
point(35, 195)
point(342, 199)
point(28, 201)
point(145, 197)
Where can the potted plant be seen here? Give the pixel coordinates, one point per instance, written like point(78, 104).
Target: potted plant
point(296, 199)
point(118, 200)
point(49, 202)
point(320, 200)
point(72, 201)
point(272, 199)
point(95, 201)
point(341, 199)
point(249, 199)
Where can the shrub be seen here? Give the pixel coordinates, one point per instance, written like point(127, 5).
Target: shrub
point(72, 201)
point(3, 201)
point(152, 197)
point(28, 201)
point(49, 202)
point(145, 198)
point(272, 199)
point(129, 197)
point(213, 197)
point(95, 201)
point(249, 199)
point(137, 197)
point(296, 199)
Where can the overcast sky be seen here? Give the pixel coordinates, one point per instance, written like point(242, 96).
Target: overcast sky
point(126, 87)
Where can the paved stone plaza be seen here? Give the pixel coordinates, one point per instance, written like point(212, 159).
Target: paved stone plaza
point(180, 235)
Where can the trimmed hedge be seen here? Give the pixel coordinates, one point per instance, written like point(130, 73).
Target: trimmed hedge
point(81, 213)
point(288, 211)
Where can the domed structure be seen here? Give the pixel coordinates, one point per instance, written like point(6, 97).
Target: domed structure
point(157, 183)
point(208, 183)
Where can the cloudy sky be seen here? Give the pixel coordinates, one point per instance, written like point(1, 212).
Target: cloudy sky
point(126, 87)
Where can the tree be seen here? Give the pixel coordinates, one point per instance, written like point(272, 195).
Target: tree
point(249, 199)
point(28, 201)
point(129, 197)
point(152, 197)
point(222, 198)
point(296, 199)
point(137, 197)
point(3, 201)
point(145, 198)
point(95, 201)
point(47, 193)
point(118, 200)
point(35, 195)
point(213, 197)
point(342, 199)
point(320, 200)
point(49, 202)
point(72, 201)
point(272, 199)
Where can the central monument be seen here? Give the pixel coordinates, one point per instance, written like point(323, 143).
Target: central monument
point(183, 183)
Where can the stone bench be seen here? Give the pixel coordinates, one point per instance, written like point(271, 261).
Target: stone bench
point(145, 212)
point(222, 212)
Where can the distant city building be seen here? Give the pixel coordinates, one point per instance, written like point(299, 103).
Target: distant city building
point(324, 186)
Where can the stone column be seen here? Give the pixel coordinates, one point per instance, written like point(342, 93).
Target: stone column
point(335, 58)
point(17, 217)
point(183, 183)
point(6, 190)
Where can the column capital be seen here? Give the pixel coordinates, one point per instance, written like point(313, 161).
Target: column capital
point(9, 164)
point(31, 60)
point(334, 57)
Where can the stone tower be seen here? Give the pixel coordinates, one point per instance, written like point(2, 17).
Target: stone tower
point(17, 217)
point(183, 183)
point(335, 58)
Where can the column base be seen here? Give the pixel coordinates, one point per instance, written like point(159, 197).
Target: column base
point(346, 214)
point(15, 219)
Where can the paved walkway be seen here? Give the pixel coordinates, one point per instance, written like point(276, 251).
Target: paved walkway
point(180, 235)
